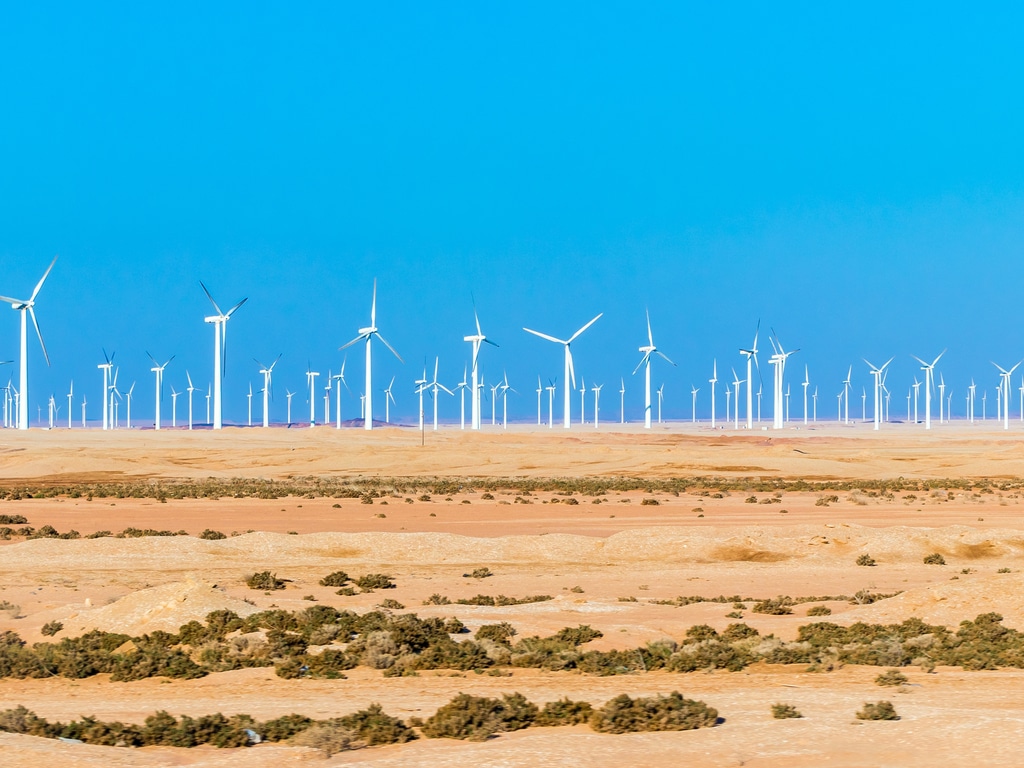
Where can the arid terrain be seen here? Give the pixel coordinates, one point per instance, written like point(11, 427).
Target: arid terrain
point(613, 525)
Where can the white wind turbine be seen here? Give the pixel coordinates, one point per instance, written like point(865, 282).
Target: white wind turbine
point(583, 401)
point(736, 385)
point(540, 389)
point(128, 397)
point(250, 404)
point(570, 372)
point(661, 397)
point(751, 355)
point(311, 383)
point(846, 394)
point(190, 389)
point(1004, 376)
point(596, 389)
point(27, 307)
point(622, 400)
point(268, 373)
point(106, 366)
point(815, 398)
point(878, 372)
point(942, 394)
point(461, 389)
point(917, 390)
point(505, 389)
point(435, 386)
point(209, 394)
point(806, 383)
point(327, 397)
point(693, 405)
point(83, 412)
point(728, 400)
point(388, 400)
point(71, 394)
point(929, 385)
point(494, 402)
point(174, 407)
point(551, 404)
point(787, 403)
point(476, 340)
point(366, 334)
point(778, 360)
point(984, 401)
point(421, 387)
point(712, 381)
point(288, 394)
point(645, 361)
point(863, 404)
point(340, 378)
point(220, 340)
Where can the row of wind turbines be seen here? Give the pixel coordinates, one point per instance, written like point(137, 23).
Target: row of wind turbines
point(16, 401)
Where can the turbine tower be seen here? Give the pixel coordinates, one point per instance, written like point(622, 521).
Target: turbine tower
point(878, 372)
point(1004, 376)
point(159, 371)
point(220, 340)
point(712, 381)
point(779, 361)
point(267, 371)
point(367, 334)
point(106, 366)
point(190, 389)
point(929, 385)
point(751, 355)
point(645, 361)
point(340, 378)
point(570, 372)
point(476, 340)
point(27, 306)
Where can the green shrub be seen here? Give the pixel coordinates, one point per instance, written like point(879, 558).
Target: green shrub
point(866, 559)
point(880, 710)
point(778, 606)
point(374, 727)
point(437, 599)
point(13, 520)
point(934, 559)
point(335, 579)
point(649, 503)
point(330, 737)
point(212, 535)
point(819, 610)
point(478, 573)
point(477, 718)
point(580, 635)
point(264, 580)
point(375, 581)
point(662, 713)
point(499, 633)
point(785, 711)
point(51, 628)
point(564, 712)
point(391, 605)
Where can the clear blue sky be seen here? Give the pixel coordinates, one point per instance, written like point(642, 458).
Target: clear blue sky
point(849, 175)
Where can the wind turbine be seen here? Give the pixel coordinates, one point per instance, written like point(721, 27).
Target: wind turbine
point(807, 381)
point(505, 389)
point(476, 340)
point(1004, 376)
point(570, 372)
point(268, 374)
point(250, 404)
point(712, 381)
point(209, 394)
point(984, 400)
point(970, 405)
point(846, 394)
point(366, 334)
point(220, 341)
point(863, 404)
point(174, 407)
point(461, 389)
point(917, 391)
point(340, 378)
point(583, 401)
point(728, 400)
point(736, 381)
point(311, 382)
point(106, 366)
point(71, 394)
point(815, 399)
point(435, 386)
point(693, 405)
point(192, 388)
point(421, 387)
point(128, 397)
point(288, 394)
point(878, 372)
point(494, 402)
point(942, 394)
point(645, 361)
point(751, 355)
point(661, 396)
point(596, 389)
point(327, 396)
point(622, 400)
point(27, 307)
point(540, 389)
point(388, 400)
point(159, 371)
point(779, 361)
point(83, 412)
point(929, 384)
point(551, 404)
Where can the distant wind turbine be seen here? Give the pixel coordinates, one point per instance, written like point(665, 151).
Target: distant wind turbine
point(106, 366)
point(751, 355)
point(159, 371)
point(220, 341)
point(311, 383)
point(648, 350)
point(366, 334)
point(929, 385)
point(476, 340)
point(190, 389)
point(570, 373)
point(268, 373)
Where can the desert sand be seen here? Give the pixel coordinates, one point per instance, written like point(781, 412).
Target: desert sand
point(604, 564)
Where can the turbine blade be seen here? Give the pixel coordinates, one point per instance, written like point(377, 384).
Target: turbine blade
point(664, 357)
point(373, 306)
point(643, 360)
point(232, 311)
point(42, 279)
point(572, 368)
point(360, 337)
point(39, 333)
point(390, 348)
point(11, 301)
point(650, 337)
point(545, 336)
point(581, 330)
point(207, 292)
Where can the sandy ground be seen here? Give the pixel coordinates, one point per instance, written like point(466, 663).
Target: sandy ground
point(622, 555)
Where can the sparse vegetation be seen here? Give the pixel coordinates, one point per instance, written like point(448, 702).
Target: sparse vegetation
point(879, 710)
point(785, 712)
point(264, 580)
point(662, 713)
point(891, 677)
point(478, 573)
point(51, 628)
point(819, 610)
point(375, 581)
point(212, 535)
point(934, 559)
point(866, 560)
point(335, 579)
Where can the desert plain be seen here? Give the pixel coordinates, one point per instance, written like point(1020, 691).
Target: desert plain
point(613, 525)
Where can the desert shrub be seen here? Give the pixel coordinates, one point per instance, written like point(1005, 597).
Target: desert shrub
point(502, 600)
point(374, 727)
point(498, 633)
point(330, 737)
point(99, 535)
point(738, 631)
point(819, 610)
point(777, 606)
point(880, 710)
point(391, 605)
point(649, 503)
point(477, 718)
point(662, 713)
point(13, 520)
point(211, 535)
point(437, 599)
point(335, 579)
point(375, 581)
point(584, 633)
point(264, 580)
point(564, 712)
point(478, 573)
point(891, 677)
point(700, 632)
point(934, 559)
point(785, 711)
point(51, 628)
point(866, 559)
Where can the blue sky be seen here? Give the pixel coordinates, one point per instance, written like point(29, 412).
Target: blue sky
point(850, 176)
